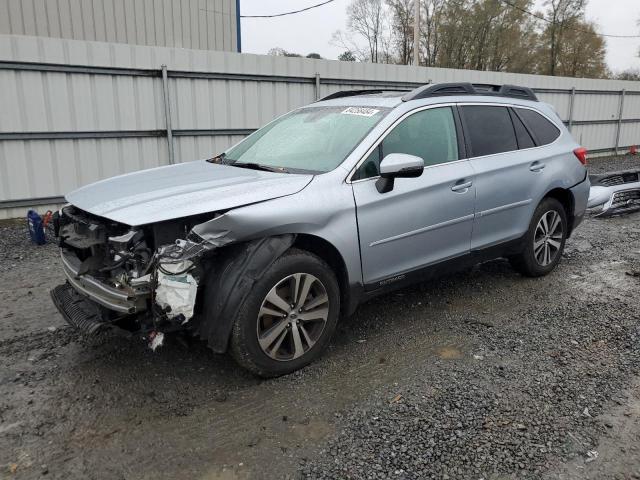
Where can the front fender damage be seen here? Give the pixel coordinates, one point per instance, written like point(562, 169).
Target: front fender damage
point(180, 276)
point(178, 272)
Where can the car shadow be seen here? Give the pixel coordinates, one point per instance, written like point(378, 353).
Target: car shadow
point(184, 371)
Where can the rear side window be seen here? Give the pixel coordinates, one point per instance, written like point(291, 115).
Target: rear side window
point(489, 130)
point(543, 130)
point(523, 136)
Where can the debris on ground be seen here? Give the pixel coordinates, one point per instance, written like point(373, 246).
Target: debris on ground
point(156, 339)
point(591, 456)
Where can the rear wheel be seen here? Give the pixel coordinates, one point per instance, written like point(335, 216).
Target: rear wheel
point(289, 317)
point(544, 241)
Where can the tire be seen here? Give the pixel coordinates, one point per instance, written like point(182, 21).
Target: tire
point(303, 332)
point(534, 261)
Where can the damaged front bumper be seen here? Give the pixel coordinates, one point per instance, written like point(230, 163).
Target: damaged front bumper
point(614, 193)
point(117, 277)
point(126, 300)
point(78, 310)
point(165, 297)
point(146, 280)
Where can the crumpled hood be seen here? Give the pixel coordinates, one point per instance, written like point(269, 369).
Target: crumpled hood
point(181, 190)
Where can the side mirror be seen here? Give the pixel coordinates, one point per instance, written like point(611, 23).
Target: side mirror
point(398, 165)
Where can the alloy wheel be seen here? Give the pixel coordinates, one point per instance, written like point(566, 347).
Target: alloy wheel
point(547, 239)
point(292, 316)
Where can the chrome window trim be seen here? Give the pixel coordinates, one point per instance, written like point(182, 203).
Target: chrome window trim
point(348, 178)
point(426, 167)
point(514, 105)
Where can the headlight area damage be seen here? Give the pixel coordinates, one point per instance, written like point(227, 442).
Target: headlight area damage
point(150, 280)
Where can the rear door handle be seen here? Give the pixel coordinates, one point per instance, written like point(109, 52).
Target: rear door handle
point(461, 187)
point(536, 166)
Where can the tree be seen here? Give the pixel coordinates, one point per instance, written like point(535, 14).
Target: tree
point(347, 56)
point(431, 14)
point(582, 52)
point(630, 74)
point(510, 38)
point(366, 19)
point(561, 15)
point(482, 35)
point(402, 29)
point(281, 52)
point(314, 55)
point(569, 45)
point(492, 35)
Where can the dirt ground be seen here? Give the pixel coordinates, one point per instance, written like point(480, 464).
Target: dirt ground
point(481, 374)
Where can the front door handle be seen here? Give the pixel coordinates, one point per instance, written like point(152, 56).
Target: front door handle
point(461, 187)
point(536, 166)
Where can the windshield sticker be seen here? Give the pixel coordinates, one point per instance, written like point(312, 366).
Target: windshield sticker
point(361, 111)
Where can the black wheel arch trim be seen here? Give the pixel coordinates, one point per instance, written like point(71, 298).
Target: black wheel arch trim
point(567, 199)
point(233, 278)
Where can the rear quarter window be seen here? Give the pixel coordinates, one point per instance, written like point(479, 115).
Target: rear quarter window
point(522, 134)
point(543, 131)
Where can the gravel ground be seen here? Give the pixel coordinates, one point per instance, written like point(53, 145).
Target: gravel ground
point(608, 164)
point(481, 374)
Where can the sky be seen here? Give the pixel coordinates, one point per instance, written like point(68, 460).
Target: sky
point(311, 31)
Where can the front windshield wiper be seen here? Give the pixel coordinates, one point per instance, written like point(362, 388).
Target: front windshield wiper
point(259, 166)
point(219, 159)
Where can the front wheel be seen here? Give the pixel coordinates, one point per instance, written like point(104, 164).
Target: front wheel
point(289, 316)
point(544, 241)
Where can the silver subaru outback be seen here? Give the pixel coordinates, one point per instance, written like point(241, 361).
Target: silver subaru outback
point(260, 250)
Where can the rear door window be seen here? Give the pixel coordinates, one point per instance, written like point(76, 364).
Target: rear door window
point(543, 130)
point(489, 129)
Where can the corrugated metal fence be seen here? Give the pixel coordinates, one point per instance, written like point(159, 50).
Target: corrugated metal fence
point(206, 24)
point(73, 112)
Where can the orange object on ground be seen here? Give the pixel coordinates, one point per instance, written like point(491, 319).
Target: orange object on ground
point(47, 218)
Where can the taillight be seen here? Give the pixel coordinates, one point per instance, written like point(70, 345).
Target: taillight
point(581, 154)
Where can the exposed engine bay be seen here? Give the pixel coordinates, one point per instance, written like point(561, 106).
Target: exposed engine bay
point(143, 279)
point(147, 280)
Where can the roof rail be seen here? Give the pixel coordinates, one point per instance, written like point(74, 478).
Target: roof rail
point(353, 93)
point(452, 89)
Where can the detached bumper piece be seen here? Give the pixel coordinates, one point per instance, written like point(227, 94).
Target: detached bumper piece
point(626, 201)
point(77, 310)
point(615, 193)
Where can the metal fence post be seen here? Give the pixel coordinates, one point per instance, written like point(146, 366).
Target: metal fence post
point(619, 125)
point(167, 113)
point(317, 86)
point(572, 100)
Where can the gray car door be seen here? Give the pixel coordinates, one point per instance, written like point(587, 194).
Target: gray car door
point(422, 220)
point(509, 173)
